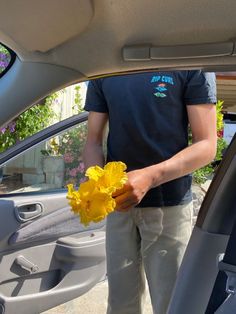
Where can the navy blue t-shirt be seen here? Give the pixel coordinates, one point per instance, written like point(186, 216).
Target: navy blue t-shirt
point(148, 121)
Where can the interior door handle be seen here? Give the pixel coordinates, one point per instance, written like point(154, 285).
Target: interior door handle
point(26, 264)
point(28, 211)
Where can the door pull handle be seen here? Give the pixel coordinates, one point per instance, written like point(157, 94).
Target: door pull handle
point(27, 212)
point(26, 264)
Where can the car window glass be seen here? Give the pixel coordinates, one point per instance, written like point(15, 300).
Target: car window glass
point(48, 166)
point(5, 58)
point(50, 110)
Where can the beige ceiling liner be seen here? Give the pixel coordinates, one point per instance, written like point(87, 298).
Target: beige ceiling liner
point(52, 22)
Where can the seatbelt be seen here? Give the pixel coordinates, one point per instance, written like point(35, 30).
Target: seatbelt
point(223, 297)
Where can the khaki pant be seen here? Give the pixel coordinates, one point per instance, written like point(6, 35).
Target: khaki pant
point(153, 239)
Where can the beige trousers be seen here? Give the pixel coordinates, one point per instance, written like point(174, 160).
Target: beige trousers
point(149, 239)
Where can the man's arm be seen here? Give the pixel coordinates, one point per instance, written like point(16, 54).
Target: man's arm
point(93, 150)
point(202, 120)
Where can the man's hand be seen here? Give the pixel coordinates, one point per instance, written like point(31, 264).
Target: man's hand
point(139, 182)
point(202, 120)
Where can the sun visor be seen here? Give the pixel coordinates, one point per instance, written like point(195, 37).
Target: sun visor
point(37, 27)
point(145, 52)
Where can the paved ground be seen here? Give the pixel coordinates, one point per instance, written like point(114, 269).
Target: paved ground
point(93, 302)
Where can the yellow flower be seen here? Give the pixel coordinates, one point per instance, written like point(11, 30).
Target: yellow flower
point(74, 198)
point(94, 173)
point(93, 201)
point(109, 179)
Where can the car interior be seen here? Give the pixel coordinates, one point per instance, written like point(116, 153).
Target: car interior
point(47, 256)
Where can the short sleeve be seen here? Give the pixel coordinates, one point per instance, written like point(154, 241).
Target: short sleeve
point(200, 88)
point(95, 100)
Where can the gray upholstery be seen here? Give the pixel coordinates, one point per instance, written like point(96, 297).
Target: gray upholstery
point(54, 225)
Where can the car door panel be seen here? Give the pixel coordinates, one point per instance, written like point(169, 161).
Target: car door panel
point(52, 254)
point(47, 256)
point(56, 222)
point(36, 292)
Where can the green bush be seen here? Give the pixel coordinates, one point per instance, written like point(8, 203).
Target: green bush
point(28, 123)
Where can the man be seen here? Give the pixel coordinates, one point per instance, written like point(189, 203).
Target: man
point(148, 117)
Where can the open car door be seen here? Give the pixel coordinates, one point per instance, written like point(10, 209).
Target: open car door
point(47, 256)
point(208, 242)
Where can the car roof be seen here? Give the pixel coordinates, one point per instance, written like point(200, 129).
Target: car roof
point(73, 40)
point(90, 36)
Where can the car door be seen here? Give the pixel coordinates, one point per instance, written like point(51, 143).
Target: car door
point(47, 256)
point(200, 266)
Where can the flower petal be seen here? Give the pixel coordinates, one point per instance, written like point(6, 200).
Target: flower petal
point(74, 198)
point(94, 173)
point(100, 206)
point(114, 176)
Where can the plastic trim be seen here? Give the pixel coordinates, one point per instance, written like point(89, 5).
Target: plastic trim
point(148, 53)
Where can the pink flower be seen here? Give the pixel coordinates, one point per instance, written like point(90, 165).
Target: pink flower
point(81, 167)
point(12, 126)
point(68, 158)
point(3, 130)
point(220, 133)
point(73, 172)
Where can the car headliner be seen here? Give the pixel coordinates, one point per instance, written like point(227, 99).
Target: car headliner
point(61, 42)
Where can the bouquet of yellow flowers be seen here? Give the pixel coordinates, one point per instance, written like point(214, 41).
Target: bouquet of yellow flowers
point(93, 200)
